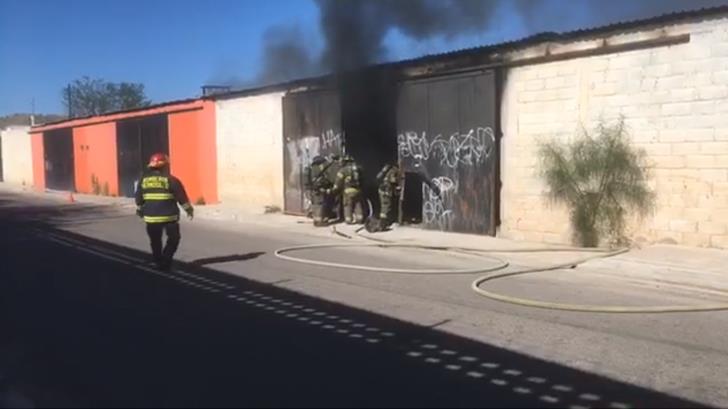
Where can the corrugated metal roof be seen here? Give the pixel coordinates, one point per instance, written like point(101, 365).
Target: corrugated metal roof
point(580, 34)
point(128, 113)
point(279, 86)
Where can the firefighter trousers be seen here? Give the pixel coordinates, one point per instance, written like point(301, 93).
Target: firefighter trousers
point(388, 201)
point(353, 209)
point(320, 208)
point(164, 253)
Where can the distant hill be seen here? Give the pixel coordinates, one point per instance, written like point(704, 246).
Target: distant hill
point(24, 119)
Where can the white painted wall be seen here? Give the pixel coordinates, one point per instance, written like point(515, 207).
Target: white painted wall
point(250, 151)
point(17, 156)
point(675, 103)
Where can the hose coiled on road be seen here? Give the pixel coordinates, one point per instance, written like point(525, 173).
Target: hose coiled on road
point(501, 264)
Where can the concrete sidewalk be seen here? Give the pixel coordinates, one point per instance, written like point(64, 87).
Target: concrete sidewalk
point(680, 268)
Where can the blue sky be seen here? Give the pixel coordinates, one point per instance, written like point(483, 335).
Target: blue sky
point(173, 46)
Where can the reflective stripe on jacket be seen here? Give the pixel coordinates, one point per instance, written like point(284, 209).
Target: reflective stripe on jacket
point(157, 196)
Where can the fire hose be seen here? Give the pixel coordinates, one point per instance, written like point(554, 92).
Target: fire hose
point(494, 273)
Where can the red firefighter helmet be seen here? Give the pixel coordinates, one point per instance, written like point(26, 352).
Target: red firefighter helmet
point(158, 160)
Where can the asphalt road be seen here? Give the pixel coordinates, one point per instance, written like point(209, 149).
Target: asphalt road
point(84, 323)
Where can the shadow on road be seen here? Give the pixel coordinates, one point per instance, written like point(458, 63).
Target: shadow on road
point(227, 259)
point(95, 332)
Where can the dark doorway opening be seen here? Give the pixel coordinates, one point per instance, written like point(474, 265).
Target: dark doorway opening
point(59, 160)
point(356, 116)
point(136, 141)
point(369, 101)
point(411, 202)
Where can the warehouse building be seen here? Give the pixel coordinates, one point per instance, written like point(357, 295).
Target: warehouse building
point(15, 156)
point(105, 154)
point(464, 125)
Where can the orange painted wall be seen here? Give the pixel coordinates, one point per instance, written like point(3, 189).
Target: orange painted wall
point(207, 153)
point(192, 145)
point(193, 151)
point(36, 141)
point(94, 148)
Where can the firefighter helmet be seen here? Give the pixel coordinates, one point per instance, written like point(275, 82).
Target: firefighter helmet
point(158, 160)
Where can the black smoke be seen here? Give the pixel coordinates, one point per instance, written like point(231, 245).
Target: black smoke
point(287, 56)
point(355, 30)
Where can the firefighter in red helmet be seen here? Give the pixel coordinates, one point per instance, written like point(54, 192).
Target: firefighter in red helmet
point(157, 196)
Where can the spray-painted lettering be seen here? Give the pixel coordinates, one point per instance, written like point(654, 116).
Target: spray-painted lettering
point(302, 150)
point(458, 151)
point(468, 149)
point(437, 202)
point(331, 139)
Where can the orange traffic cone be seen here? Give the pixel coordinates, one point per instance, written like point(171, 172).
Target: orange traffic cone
point(70, 198)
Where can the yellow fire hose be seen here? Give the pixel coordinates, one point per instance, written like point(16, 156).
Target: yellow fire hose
point(500, 265)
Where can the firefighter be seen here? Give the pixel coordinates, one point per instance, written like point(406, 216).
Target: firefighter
point(157, 196)
point(336, 204)
point(389, 190)
point(320, 188)
point(348, 183)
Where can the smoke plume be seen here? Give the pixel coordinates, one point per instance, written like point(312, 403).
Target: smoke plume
point(355, 30)
point(286, 55)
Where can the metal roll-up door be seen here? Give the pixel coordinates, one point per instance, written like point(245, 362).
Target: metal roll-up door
point(447, 143)
point(59, 159)
point(136, 141)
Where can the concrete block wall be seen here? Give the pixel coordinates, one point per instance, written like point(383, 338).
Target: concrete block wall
point(17, 159)
point(250, 151)
point(675, 103)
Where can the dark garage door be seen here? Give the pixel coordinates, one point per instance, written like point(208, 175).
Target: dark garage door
point(58, 155)
point(311, 126)
point(136, 141)
point(446, 137)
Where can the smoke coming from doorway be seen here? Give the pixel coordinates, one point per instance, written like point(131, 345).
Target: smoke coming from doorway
point(355, 31)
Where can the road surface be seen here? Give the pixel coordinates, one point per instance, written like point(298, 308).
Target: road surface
point(84, 322)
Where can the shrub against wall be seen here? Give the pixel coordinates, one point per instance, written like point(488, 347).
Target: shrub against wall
point(600, 177)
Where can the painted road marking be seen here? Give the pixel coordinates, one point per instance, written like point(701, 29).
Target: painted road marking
point(128, 260)
point(124, 261)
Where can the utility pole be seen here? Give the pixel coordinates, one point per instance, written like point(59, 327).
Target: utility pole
point(70, 102)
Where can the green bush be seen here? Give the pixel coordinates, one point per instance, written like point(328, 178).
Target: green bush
point(600, 178)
